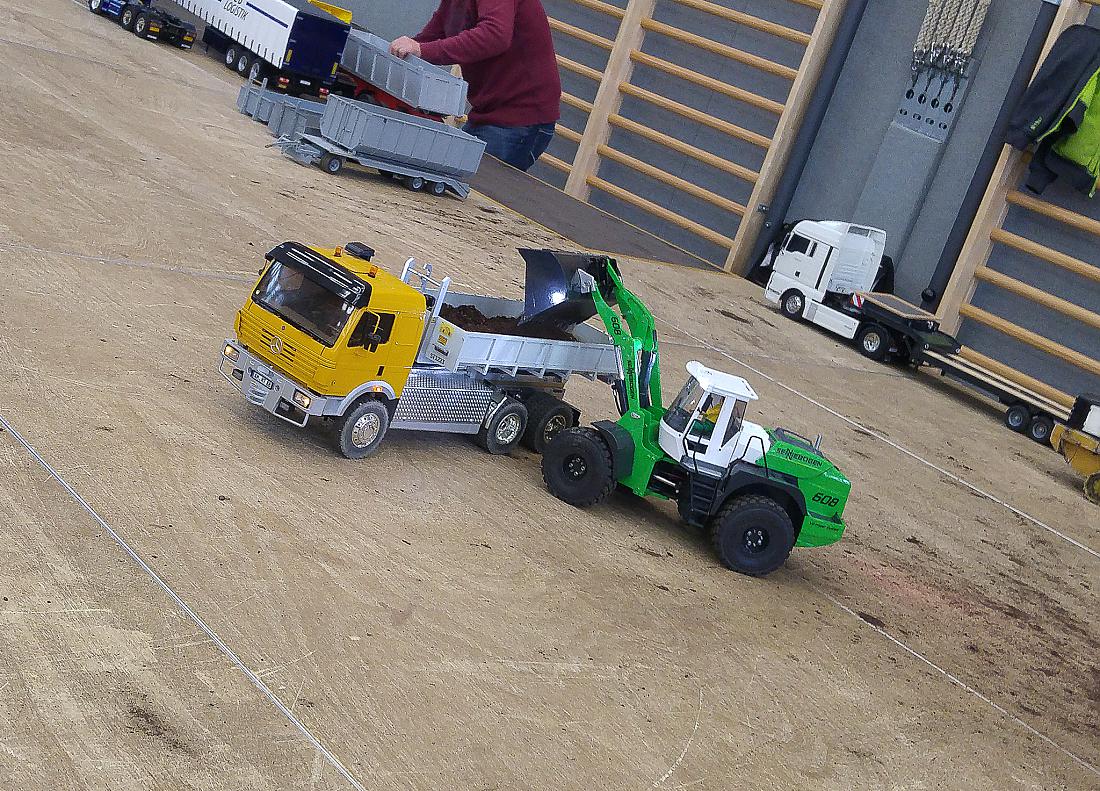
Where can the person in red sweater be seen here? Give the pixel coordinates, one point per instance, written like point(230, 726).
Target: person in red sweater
point(507, 56)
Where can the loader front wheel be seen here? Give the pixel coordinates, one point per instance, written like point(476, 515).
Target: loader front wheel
point(362, 429)
point(792, 304)
point(505, 429)
point(753, 535)
point(578, 468)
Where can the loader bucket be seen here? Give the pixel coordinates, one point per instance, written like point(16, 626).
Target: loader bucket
point(558, 286)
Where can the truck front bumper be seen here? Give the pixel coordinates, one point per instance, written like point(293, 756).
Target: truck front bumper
point(266, 387)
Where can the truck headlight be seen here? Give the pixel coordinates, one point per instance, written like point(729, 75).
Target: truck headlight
point(231, 352)
point(302, 400)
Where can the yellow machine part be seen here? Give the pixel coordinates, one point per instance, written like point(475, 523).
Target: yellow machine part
point(340, 13)
point(1082, 452)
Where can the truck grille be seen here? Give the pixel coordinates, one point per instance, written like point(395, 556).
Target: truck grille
point(291, 359)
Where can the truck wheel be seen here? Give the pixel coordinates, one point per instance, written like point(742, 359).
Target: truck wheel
point(546, 417)
point(1017, 418)
point(505, 429)
point(95, 6)
point(231, 56)
point(141, 25)
point(1092, 488)
point(126, 18)
point(257, 71)
point(753, 535)
point(578, 468)
point(1040, 429)
point(873, 342)
point(792, 304)
point(331, 163)
point(362, 429)
point(244, 64)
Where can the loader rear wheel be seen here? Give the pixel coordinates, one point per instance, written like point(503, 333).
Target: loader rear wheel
point(331, 163)
point(873, 342)
point(792, 304)
point(1092, 488)
point(1040, 429)
point(126, 18)
point(753, 535)
point(546, 418)
point(1017, 418)
point(578, 468)
point(362, 429)
point(505, 429)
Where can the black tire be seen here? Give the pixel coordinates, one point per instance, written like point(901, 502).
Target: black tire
point(257, 72)
point(243, 64)
point(231, 55)
point(362, 429)
point(1017, 418)
point(95, 6)
point(127, 18)
point(578, 468)
point(505, 429)
point(141, 25)
point(332, 163)
point(1092, 488)
point(792, 304)
point(1040, 428)
point(874, 342)
point(753, 535)
point(438, 188)
point(546, 417)
point(415, 183)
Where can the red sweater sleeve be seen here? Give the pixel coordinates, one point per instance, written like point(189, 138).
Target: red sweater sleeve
point(489, 37)
point(433, 31)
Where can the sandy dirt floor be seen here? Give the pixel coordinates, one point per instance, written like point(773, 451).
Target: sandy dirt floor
point(432, 618)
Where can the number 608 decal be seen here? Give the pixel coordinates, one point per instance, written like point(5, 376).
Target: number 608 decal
point(824, 499)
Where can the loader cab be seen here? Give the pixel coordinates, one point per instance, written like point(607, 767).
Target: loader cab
point(705, 428)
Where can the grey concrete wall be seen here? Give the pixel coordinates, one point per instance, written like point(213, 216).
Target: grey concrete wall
point(390, 19)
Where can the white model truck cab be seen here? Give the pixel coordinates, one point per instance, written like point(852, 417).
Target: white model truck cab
point(705, 427)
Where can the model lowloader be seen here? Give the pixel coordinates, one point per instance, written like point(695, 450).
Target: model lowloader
point(328, 335)
point(758, 491)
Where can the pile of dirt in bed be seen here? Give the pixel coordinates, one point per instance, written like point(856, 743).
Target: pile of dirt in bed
point(471, 319)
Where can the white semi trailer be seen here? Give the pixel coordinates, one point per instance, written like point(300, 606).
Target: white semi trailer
point(294, 44)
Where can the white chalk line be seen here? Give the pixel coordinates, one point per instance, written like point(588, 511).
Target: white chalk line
point(872, 433)
point(957, 681)
point(190, 613)
point(683, 753)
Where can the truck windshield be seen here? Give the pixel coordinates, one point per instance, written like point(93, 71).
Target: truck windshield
point(684, 406)
point(305, 299)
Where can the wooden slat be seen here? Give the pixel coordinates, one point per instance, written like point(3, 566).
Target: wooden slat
point(578, 103)
point(660, 211)
point(815, 4)
point(786, 131)
point(679, 146)
point(1038, 296)
point(737, 55)
point(737, 17)
point(1049, 210)
point(706, 119)
point(1032, 339)
point(567, 133)
point(603, 8)
point(732, 91)
point(580, 34)
point(579, 68)
point(1044, 253)
point(1023, 380)
point(555, 163)
point(673, 181)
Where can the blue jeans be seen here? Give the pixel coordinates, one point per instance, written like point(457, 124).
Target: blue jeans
point(519, 146)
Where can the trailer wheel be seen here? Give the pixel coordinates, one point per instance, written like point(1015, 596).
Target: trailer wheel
point(1040, 428)
point(332, 163)
point(438, 188)
point(126, 18)
point(1017, 418)
point(231, 55)
point(792, 304)
point(95, 6)
point(415, 183)
point(362, 429)
point(546, 418)
point(874, 342)
point(505, 429)
point(578, 468)
point(257, 71)
point(753, 535)
point(244, 64)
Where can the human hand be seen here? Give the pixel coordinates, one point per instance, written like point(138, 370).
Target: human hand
point(405, 46)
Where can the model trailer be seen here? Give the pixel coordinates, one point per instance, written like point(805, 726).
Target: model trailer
point(147, 21)
point(835, 275)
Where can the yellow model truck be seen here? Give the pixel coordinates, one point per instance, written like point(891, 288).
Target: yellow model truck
point(328, 334)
